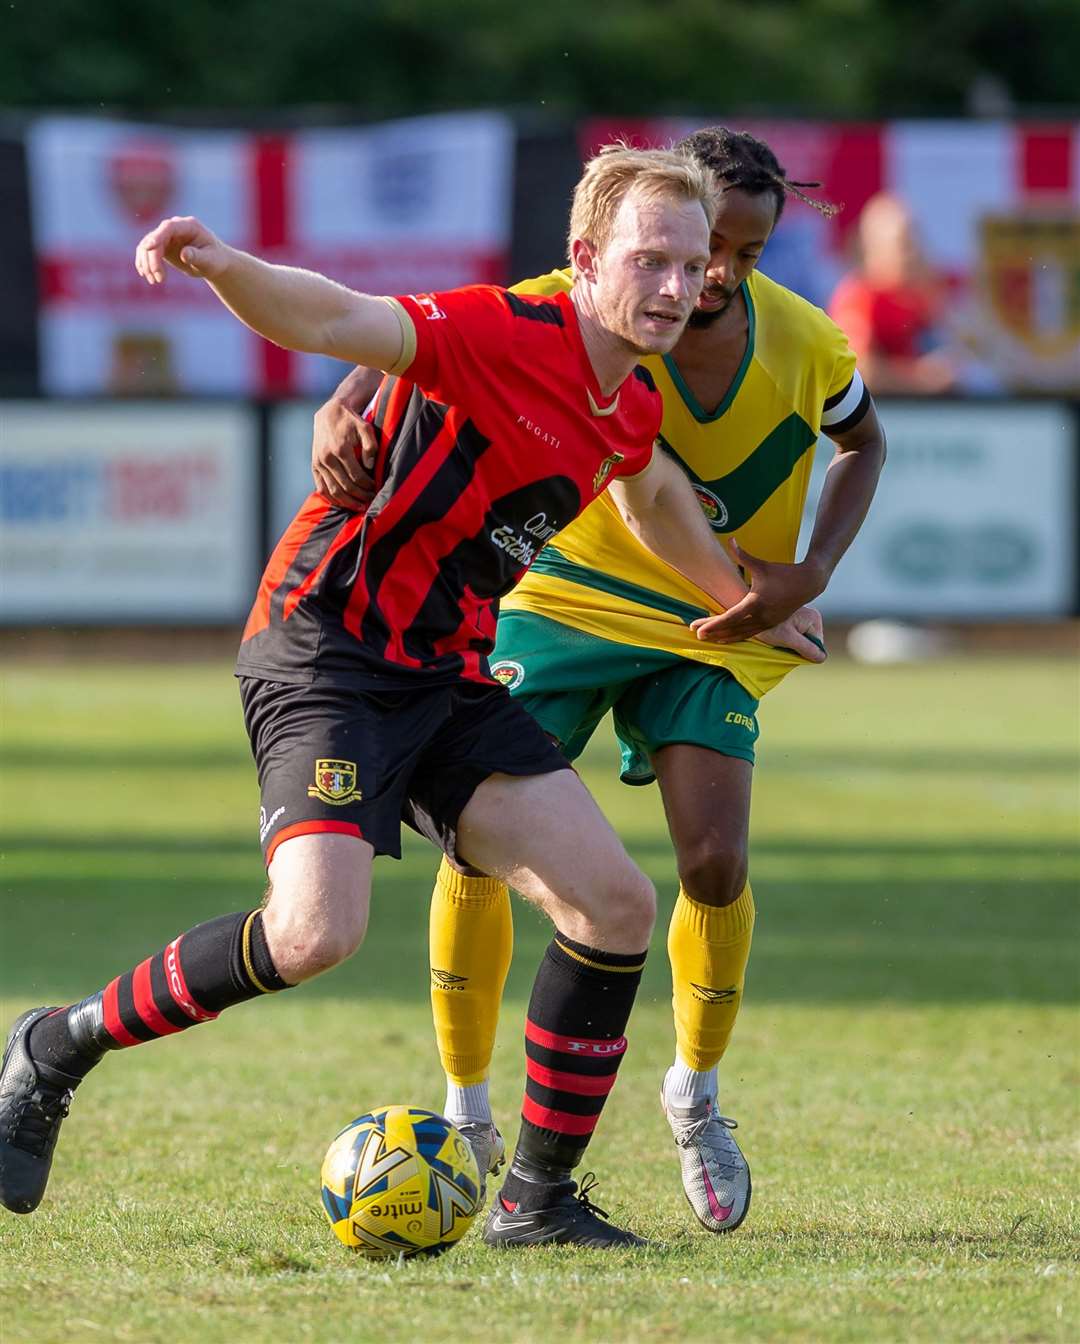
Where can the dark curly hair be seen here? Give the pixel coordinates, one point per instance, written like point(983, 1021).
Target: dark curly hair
point(740, 160)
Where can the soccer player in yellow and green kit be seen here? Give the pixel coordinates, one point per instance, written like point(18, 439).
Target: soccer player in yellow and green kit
point(600, 624)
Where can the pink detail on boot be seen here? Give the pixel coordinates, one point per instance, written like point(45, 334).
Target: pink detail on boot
point(719, 1211)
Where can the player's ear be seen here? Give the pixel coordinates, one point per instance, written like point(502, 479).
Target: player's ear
point(583, 256)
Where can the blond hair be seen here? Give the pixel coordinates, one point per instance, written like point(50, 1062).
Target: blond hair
point(654, 173)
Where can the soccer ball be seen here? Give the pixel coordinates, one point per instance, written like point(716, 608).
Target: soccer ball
point(400, 1182)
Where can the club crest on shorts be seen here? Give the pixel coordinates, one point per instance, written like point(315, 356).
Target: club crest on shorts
point(335, 782)
point(508, 673)
point(606, 468)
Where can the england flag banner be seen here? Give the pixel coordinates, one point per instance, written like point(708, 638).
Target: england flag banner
point(391, 208)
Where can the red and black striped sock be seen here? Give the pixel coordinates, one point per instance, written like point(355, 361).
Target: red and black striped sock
point(574, 1043)
point(211, 967)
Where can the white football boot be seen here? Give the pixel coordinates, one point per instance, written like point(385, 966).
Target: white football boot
point(489, 1149)
point(715, 1175)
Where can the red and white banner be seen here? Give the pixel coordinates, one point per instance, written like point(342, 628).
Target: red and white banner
point(996, 204)
point(418, 204)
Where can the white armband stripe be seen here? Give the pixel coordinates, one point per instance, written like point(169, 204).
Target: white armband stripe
point(848, 403)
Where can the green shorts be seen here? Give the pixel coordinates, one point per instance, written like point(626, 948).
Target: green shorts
point(568, 681)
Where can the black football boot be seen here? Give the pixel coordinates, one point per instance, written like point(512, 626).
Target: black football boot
point(570, 1220)
point(34, 1099)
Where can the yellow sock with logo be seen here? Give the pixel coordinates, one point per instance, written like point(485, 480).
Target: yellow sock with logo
point(708, 946)
point(471, 939)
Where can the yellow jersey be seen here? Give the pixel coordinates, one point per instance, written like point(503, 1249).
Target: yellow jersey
point(749, 462)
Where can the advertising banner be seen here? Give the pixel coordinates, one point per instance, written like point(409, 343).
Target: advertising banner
point(129, 513)
point(149, 513)
point(996, 208)
point(974, 517)
point(402, 206)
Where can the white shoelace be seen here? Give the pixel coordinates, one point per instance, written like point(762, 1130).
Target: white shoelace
point(719, 1141)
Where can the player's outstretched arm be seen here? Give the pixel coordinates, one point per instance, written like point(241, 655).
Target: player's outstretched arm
point(296, 309)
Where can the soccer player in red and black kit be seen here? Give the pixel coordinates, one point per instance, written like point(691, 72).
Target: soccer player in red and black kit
point(364, 675)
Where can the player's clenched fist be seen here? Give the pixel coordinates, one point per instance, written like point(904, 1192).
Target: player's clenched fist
point(184, 243)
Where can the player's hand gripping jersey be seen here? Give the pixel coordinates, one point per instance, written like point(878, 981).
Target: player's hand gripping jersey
point(750, 462)
point(494, 435)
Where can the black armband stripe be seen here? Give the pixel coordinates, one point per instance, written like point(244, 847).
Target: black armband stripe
point(846, 407)
point(837, 397)
point(850, 421)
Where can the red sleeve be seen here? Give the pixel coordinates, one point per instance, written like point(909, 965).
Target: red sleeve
point(850, 308)
point(635, 463)
point(451, 337)
point(645, 434)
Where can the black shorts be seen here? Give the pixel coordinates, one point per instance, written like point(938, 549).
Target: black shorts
point(361, 762)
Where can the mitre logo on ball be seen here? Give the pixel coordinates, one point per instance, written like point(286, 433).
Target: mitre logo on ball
point(400, 1182)
point(143, 179)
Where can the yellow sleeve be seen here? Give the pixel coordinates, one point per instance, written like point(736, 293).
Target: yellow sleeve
point(847, 398)
point(555, 282)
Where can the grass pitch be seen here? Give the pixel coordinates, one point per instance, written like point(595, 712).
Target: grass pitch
point(904, 1070)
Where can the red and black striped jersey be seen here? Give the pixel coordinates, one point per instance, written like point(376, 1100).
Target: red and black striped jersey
point(496, 439)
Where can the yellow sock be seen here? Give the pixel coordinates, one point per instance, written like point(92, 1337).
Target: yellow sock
point(471, 938)
point(709, 947)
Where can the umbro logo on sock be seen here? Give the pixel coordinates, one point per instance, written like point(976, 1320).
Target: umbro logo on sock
point(446, 980)
point(707, 995)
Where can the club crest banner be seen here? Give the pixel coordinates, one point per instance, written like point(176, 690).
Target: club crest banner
point(417, 204)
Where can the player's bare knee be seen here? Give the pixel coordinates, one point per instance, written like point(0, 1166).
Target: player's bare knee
point(311, 952)
point(304, 943)
point(713, 873)
point(330, 947)
point(633, 909)
point(645, 902)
